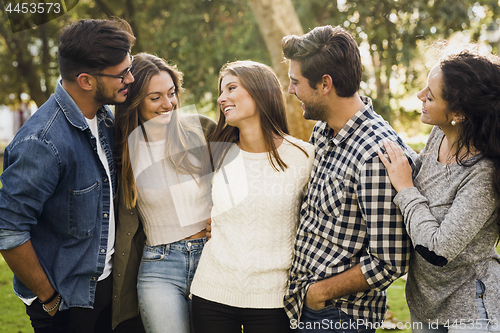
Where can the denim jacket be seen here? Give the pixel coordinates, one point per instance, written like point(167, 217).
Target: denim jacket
point(56, 194)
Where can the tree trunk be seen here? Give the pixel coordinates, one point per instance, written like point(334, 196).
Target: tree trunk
point(277, 19)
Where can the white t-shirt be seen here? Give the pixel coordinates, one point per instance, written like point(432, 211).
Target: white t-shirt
point(111, 233)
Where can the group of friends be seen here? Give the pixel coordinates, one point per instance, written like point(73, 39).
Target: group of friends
point(152, 219)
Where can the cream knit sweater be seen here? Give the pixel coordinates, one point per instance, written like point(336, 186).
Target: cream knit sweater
point(254, 221)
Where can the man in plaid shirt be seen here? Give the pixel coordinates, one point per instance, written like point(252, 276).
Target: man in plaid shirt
point(351, 243)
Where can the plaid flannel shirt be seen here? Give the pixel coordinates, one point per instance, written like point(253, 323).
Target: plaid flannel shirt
point(348, 217)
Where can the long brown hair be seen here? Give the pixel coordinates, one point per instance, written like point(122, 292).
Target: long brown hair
point(261, 83)
point(144, 67)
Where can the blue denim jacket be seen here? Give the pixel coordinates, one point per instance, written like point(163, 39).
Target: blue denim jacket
point(56, 193)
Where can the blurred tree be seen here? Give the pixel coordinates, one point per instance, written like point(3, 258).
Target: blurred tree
point(277, 19)
point(395, 32)
point(28, 58)
point(201, 35)
point(26, 61)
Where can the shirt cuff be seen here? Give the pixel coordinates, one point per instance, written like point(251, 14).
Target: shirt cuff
point(375, 274)
point(11, 239)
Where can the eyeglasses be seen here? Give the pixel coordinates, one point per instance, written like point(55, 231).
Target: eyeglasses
point(111, 75)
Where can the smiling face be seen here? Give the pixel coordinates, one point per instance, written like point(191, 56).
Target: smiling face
point(236, 104)
point(111, 90)
point(313, 106)
point(434, 109)
point(160, 100)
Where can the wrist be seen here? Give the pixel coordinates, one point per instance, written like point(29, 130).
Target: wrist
point(50, 299)
point(52, 306)
point(320, 291)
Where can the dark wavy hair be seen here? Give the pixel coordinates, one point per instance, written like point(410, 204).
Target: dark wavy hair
point(471, 86)
point(327, 50)
point(93, 45)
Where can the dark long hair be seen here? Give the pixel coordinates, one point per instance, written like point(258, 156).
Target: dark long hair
point(261, 83)
point(471, 86)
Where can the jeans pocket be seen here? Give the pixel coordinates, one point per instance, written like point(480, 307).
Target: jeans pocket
point(152, 253)
point(83, 211)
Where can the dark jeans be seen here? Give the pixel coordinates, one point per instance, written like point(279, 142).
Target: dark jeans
point(76, 319)
point(212, 317)
point(329, 319)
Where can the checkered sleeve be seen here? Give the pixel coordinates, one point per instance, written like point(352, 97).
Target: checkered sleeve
point(388, 251)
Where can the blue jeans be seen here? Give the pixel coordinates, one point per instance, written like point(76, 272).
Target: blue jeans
point(328, 319)
point(481, 325)
point(164, 281)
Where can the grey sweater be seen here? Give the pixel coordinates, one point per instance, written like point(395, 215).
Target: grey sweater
point(449, 215)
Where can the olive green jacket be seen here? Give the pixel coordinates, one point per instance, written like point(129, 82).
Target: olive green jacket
point(129, 244)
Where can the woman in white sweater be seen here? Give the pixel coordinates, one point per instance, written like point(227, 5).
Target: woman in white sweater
point(259, 181)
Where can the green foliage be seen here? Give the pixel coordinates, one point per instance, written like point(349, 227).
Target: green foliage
point(13, 318)
point(396, 34)
point(397, 309)
point(28, 61)
point(199, 36)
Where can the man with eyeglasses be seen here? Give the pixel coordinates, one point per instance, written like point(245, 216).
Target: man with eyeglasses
point(57, 223)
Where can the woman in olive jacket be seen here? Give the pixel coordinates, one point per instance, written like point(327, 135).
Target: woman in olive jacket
point(161, 196)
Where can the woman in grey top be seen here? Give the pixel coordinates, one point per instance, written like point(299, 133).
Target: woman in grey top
point(451, 207)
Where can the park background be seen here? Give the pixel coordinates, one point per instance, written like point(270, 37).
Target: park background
point(399, 40)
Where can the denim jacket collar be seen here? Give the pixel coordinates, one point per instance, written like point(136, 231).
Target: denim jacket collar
point(72, 112)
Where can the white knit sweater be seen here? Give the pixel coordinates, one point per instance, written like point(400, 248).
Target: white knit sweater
point(254, 221)
point(172, 206)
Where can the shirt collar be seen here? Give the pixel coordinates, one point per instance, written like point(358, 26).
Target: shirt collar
point(352, 124)
point(72, 112)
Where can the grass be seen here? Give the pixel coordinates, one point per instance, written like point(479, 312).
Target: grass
point(397, 309)
point(13, 318)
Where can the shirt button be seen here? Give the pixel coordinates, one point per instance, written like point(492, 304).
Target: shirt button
point(123, 253)
point(131, 213)
point(103, 250)
point(105, 180)
point(94, 278)
point(105, 215)
point(128, 233)
point(119, 275)
point(116, 296)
